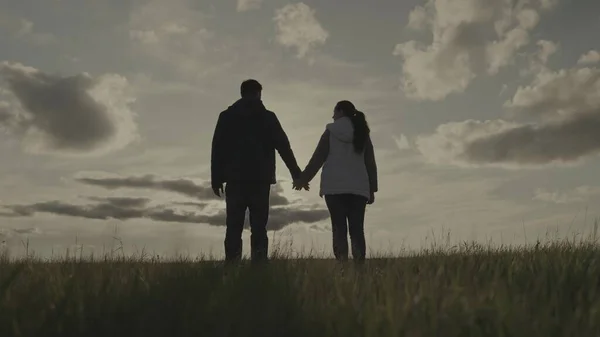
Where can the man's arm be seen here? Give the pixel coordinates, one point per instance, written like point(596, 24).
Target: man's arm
point(282, 145)
point(318, 158)
point(216, 164)
point(371, 165)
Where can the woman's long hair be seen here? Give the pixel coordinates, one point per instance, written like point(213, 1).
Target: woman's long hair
point(359, 121)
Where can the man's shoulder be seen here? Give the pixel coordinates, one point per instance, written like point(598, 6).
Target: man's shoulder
point(226, 114)
point(271, 114)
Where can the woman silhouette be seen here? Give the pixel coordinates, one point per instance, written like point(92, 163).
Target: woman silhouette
point(348, 179)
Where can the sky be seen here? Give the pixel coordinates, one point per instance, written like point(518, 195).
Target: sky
point(484, 117)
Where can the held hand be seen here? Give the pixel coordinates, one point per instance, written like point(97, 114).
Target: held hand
point(299, 185)
point(306, 187)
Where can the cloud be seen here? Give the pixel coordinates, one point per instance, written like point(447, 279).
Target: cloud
point(9, 234)
point(449, 142)
point(99, 211)
point(564, 93)
point(577, 195)
point(73, 115)
point(418, 19)
point(282, 217)
point(536, 145)
point(297, 27)
point(122, 202)
point(591, 57)
point(546, 49)
point(567, 105)
point(156, 21)
point(461, 46)
point(402, 143)
point(198, 205)
point(279, 218)
point(538, 60)
point(172, 32)
point(138, 208)
point(25, 231)
point(510, 145)
point(248, 5)
point(500, 53)
point(277, 198)
point(185, 187)
point(283, 212)
point(24, 30)
point(548, 4)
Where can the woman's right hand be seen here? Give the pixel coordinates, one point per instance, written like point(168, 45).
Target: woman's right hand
point(372, 199)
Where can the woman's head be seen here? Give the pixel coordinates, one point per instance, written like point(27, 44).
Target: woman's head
point(359, 122)
point(343, 109)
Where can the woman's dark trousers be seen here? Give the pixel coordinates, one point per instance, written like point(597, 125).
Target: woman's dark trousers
point(348, 215)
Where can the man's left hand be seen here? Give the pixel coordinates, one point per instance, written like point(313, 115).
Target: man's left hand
point(218, 189)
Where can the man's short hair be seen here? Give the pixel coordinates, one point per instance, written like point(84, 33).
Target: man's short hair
point(250, 88)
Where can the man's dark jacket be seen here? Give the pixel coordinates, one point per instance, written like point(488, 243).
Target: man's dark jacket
point(244, 144)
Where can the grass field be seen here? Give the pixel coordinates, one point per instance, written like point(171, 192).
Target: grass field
point(546, 290)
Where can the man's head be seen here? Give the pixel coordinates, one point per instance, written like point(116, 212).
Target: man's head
point(251, 89)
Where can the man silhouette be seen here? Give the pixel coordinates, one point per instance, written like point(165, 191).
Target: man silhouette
point(243, 158)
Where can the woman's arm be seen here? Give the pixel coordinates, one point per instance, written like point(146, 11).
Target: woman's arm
point(371, 165)
point(317, 160)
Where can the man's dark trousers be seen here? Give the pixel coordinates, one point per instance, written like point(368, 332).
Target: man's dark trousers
point(255, 198)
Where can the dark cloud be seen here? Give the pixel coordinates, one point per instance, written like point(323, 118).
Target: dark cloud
point(567, 103)
point(137, 208)
point(198, 205)
point(282, 214)
point(279, 217)
point(171, 215)
point(8, 233)
point(5, 113)
point(99, 211)
point(565, 141)
point(184, 187)
point(67, 114)
point(123, 202)
point(25, 231)
point(277, 198)
point(282, 217)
